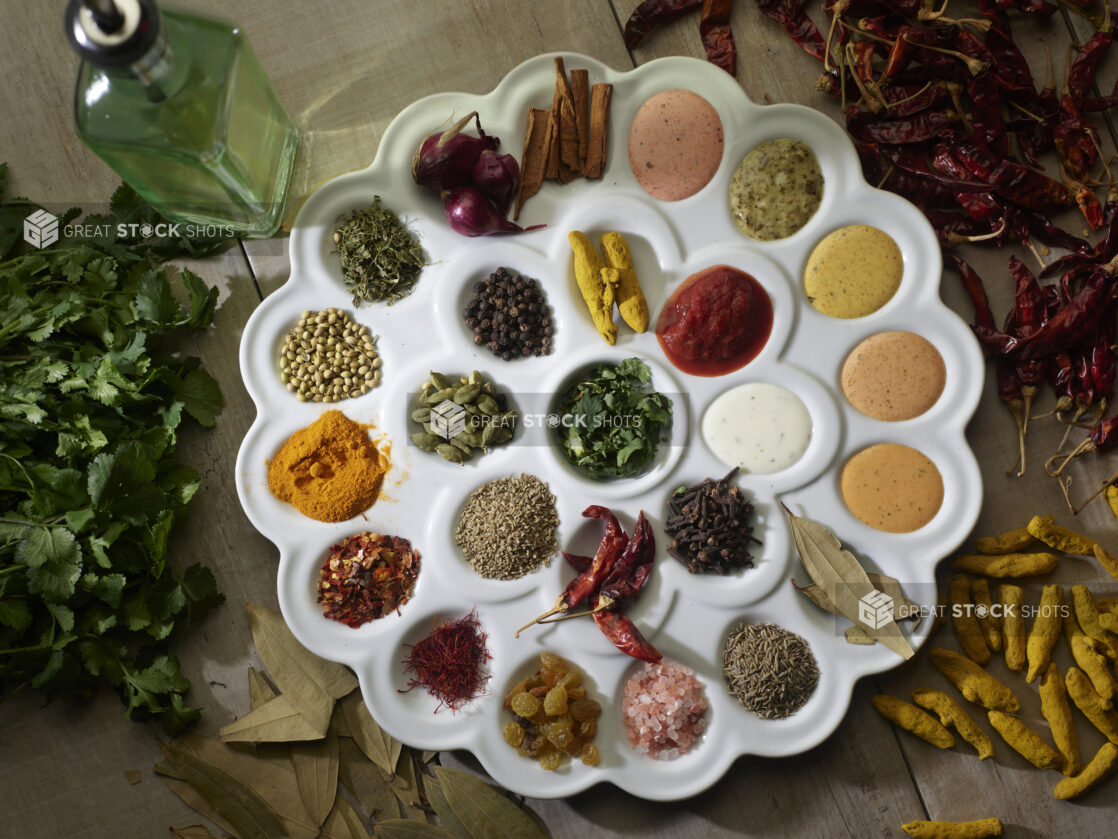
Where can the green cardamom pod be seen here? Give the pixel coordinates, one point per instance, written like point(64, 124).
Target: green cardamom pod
point(461, 445)
point(451, 453)
point(440, 381)
point(487, 435)
point(421, 415)
point(433, 399)
point(488, 404)
point(426, 442)
point(502, 435)
point(467, 393)
point(475, 378)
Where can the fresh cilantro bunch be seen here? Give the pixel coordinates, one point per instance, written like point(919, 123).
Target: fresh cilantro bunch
point(611, 423)
point(92, 395)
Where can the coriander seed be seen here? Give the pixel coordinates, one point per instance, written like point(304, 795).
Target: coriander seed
point(317, 357)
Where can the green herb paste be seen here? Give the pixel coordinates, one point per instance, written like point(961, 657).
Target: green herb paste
point(776, 189)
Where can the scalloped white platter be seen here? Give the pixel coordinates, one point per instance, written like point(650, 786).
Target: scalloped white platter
point(687, 617)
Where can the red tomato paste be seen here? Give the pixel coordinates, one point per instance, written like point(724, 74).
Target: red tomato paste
point(715, 322)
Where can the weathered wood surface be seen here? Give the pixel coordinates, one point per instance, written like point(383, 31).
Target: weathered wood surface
point(344, 69)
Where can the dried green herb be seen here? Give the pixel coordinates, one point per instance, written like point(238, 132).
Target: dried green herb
point(381, 257)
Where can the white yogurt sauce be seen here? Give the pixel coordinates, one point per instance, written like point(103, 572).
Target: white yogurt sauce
point(760, 427)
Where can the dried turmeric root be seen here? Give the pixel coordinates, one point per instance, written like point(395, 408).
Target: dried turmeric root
point(631, 303)
point(1108, 562)
point(975, 683)
point(1047, 531)
point(1089, 655)
point(952, 714)
point(598, 294)
point(1008, 565)
point(1090, 703)
point(1056, 711)
point(913, 720)
point(1102, 765)
point(1045, 631)
point(1087, 615)
point(1013, 625)
point(1025, 741)
point(967, 630)
point(978, 829)
point(989, 619)
point(1012, 541)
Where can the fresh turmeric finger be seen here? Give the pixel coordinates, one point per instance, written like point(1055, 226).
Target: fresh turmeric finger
point(631, 302)
point(1009, 542)
point(1056, 711)
point(989, 618)
point(598, 294)
point(1090, 704)
point(1107, 561)
point(967, 630)
point(952, 714)
point(978, 829)
point(1026, 742)
point(1087, 615)
point(913, 720)
point(1047, 531)
point(1101, 767)
point(1045, 631)
point(1008, 565)
point(973, 682)
point(1013, 625)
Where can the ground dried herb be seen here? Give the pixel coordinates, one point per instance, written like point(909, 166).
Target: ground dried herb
point(381, 257)
point(709, 524)
point(507, 528)
point(449, 662)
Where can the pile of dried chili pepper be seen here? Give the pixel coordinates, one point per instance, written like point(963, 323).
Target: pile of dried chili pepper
point(945, 112)
point(366, 576)
point(608, 582)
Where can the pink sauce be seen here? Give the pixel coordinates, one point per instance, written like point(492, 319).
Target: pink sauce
point(675, 144)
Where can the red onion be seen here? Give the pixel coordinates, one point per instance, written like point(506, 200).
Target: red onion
point(446, 160)
point(470, 213)
point(497, 177)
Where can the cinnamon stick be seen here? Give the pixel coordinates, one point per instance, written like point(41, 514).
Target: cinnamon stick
point(580, 93)
point(534, 159)
point(598, 136)
point(568, 168)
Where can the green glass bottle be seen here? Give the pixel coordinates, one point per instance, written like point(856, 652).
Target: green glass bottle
point(179, 106)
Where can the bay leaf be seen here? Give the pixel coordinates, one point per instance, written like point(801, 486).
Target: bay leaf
point(276, 721)
point(245, 811)
point(133, 776)
point(380, 748)
point(443, 809)
point(344, 823)
point(193, 831)
point(483, 810)
point(307, 680)
point(856, 635)
point(268, 773)
point(337, 722)
point(841, 578)
point(165, 767)
point(407, 829)
point(316, 773)
point(367, 782)
point(336, 679)
point(882, 582)
point(406, 786)
point(259, 689)
point(193, 799)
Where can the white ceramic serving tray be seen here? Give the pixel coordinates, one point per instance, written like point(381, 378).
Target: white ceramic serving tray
point(685, 616)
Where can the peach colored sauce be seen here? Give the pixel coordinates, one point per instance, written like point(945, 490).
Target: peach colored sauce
point(675, 144)
point(892, 487)
point(893, 376)
point(853, 272)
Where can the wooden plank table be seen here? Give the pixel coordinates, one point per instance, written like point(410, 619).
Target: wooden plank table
point(344, 69)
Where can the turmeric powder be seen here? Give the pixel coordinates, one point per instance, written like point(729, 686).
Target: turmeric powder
point(330, 470)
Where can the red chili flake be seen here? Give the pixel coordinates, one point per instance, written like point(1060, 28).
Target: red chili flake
point(449, 662)
point(366, 576)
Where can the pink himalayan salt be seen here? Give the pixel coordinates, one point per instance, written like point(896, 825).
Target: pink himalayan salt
point(663, 709)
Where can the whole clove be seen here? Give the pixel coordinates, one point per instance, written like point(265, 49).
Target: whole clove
point(710, 527)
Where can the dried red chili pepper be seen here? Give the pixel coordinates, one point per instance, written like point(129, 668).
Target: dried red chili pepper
point(975, 290)
point(629, 574)
point(718, 38)
point(979, 205)
point(869, 128)
point(651, 14)
point(794, 20)
point(1081, 74)
point(1031, 189)
point(623, 634)
point(986, 112)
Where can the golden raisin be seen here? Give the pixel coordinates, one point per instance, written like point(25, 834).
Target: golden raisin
point(585, 709)
point(550, 760)
point(576, 693)
point(559, 734)
point(550, 661)
point(514, 734)
point(525, 705)
point(588, 728)
point(555, 703)
point(572, 680)
point(590, 754)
